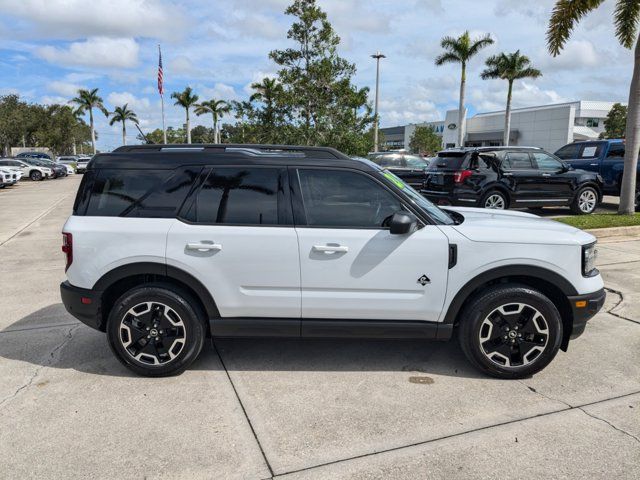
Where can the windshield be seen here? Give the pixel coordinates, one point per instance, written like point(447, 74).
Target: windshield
point(434, 212)
point(415, 161)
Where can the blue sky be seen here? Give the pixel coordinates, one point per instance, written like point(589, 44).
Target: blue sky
point(50, 48)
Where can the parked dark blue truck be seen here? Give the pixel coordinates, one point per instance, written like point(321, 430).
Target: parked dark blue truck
point(605, 157)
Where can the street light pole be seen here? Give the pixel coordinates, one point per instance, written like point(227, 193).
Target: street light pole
point(377, 56)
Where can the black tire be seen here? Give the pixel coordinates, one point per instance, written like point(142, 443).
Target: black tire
point(35, 175)
point(529, 350)
point(585, 201)
point(175, 318)
point(496, 198)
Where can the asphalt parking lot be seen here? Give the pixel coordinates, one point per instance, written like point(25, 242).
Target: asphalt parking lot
point(268, 408)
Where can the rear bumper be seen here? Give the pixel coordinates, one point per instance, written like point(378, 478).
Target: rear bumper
point(584, 307)
point(83, 304)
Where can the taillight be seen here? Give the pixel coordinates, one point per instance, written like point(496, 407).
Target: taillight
point(67, 248)
point(461, 175)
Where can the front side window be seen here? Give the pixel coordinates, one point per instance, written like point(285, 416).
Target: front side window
point(238, 196)
point(547, 162)
point(340, 198)
point(616, 151)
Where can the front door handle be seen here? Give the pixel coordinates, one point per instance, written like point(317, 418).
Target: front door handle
point(593, 164)
point(331, 248)
point(203, 247)
point(546, 174)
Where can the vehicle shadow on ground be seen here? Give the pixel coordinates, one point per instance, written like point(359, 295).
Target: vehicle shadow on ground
point(69, 345)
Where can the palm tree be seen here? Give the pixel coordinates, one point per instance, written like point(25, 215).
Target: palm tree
point(241, 111)
point(122, 114)
point(186, 99)
point(461, 50)
point(87, 100)
point(267, 92)
point(566, 14)
point(510, 67)
point(217, 108)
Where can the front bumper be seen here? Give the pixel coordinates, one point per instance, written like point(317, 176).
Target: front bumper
point(83, 304)
point(584, 307)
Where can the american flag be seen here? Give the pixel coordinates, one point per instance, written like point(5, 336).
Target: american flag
point(160, 73)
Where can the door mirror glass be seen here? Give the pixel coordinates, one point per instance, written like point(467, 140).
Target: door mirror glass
point(402, 223)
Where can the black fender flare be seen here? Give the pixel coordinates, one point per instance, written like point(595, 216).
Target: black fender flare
point(538, 273)
point(160, 269)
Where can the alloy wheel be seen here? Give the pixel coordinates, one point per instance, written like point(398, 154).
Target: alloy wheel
point(495, 201)
point(152, 333)
point(587, 201)
point(513, 335)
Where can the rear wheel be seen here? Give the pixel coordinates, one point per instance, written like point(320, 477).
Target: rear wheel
point(156, 330)
point(510, 331)
point(494, 199)
point(585, 201)
point(35, 175)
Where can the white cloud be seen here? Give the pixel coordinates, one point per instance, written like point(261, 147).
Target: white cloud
point(77, 18)
point(118, 99)
point(525, 94)
point(94, 52)
point(576, 54)
point(67, 89)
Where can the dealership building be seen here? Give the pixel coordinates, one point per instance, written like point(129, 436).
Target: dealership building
point(548, 126)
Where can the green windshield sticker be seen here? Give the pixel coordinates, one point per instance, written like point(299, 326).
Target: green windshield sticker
point(397, 182)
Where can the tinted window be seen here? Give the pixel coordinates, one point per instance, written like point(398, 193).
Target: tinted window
point(238, 196)
point(139, 193)
point(414, 161)
point(517, 161)
point(388, 160)
point(448, 160)
point(616, 151)
point(546, 162)
point(335, 198)
point(568, 151)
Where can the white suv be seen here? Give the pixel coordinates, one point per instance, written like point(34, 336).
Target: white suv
point(168, 245)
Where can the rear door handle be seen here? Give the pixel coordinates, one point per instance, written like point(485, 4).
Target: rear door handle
point(331, 248)
point(203, 247)
point(546, 174)
point(593, 164)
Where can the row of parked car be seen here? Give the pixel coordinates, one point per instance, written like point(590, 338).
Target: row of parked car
point(38, 166)
point(578, 175)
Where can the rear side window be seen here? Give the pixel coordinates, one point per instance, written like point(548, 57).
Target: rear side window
point(239, 196)
point(139, 193)
point(568, 152)
point(591, 151)
point(446, 160)
point(389, 160)
point(616, 151)
point(517, 161)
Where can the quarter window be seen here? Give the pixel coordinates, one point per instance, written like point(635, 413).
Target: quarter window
point(616, 152)
point(547, 162)
point(340, 198)
point(238, 196)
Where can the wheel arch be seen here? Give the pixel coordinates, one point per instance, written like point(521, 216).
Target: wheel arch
point(502, 188)
point(117, 281)
point(551, 284)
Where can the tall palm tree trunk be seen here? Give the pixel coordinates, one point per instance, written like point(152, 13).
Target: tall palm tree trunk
point(124, 133)
point(463, 81)
point(93, 131)
point(215, 129)
point(188, 127)
point(507, 116)
point(628, 192)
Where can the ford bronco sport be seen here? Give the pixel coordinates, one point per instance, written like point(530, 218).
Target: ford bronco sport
point(170, 245)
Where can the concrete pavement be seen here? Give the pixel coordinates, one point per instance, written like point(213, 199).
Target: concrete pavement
point(261, 408)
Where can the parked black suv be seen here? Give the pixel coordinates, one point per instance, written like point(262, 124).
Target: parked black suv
point(409, 167)
point(504, 177)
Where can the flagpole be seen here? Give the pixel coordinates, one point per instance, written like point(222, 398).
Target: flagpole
point(164, 130)
point(161, 92)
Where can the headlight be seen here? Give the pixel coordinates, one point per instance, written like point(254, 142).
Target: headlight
point(589, 255)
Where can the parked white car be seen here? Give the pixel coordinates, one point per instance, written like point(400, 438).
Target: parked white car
point(34, 172)
point(7, 177)
point(306, 242)
point(81, 165)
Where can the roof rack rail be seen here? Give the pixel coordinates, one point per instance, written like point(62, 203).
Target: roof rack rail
point(245, 149)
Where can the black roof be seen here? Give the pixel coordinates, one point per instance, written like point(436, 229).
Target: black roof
point(463, 150)
point(160, 156)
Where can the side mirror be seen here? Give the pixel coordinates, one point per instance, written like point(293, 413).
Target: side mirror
point(402, 223)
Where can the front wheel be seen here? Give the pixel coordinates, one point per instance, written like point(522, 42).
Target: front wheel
point(156, 330)
point(494, 199)
point(585, 201)
point(510, 331)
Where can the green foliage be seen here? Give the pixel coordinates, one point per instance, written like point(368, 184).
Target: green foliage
point(185, 99)
point(601, 220)
point(174, 135)
point(54, 126)
point(461, 49)
point(509, 66)
point(202, 134)
point(122, 114)
point(615, 124)
point(425, 140)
